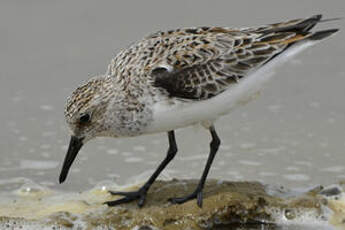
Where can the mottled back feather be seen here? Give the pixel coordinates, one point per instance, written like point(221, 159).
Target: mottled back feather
point(211, 60)
point(202, 62)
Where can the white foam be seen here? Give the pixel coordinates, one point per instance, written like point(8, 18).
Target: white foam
point(285, 218)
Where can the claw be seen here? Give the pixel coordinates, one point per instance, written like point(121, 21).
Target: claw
point(139, 195)
point(180, 200)
point(141, 201)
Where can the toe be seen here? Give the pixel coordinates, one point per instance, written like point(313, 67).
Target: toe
point(117, 202)
point(128, 197)
point(173, 200)
point(113, 193)
point(116, 193)
point(177, 200)
point(181, 200)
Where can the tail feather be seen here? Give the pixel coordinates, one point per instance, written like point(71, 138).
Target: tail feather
point(298, 25)
point(319, 35)
point(309, 23)
point(302, 27)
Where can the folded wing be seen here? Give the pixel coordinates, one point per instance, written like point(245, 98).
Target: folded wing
point(205, 61)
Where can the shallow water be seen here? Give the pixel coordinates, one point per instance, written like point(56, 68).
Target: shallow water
point(292, 135)
point(227, 205)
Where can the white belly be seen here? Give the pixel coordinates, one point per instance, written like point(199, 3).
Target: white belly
point(169, 115)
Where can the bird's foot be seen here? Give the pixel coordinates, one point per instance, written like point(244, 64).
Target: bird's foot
point(139, 195)
point(196, 194)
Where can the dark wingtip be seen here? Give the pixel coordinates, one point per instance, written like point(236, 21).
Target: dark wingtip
point(304, 25)
point(316, 17)
point(308, 23)
point(319, 35)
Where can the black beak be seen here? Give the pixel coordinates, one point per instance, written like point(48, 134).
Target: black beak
point(75, 145)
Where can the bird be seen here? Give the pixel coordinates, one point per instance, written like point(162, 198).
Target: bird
point(178, 78)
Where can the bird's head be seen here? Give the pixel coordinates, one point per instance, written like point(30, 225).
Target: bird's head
point(85, 114)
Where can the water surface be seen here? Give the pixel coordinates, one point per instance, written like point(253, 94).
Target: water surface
point(292, 135)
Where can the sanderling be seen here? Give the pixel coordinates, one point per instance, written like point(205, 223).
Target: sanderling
point(179, 78)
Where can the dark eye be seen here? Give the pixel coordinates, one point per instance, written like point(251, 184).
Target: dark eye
point(85, 118)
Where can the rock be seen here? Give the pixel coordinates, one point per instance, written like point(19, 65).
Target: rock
point(225, 204)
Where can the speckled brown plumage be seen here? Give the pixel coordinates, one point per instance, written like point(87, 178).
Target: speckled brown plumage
point(182, 64)
point(199, 63)
point(178, 78)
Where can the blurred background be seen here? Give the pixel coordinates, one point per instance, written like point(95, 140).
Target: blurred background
point(292, 135)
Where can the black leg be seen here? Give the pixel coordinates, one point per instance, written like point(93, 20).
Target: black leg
point(214, 145)
point(140, 195)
